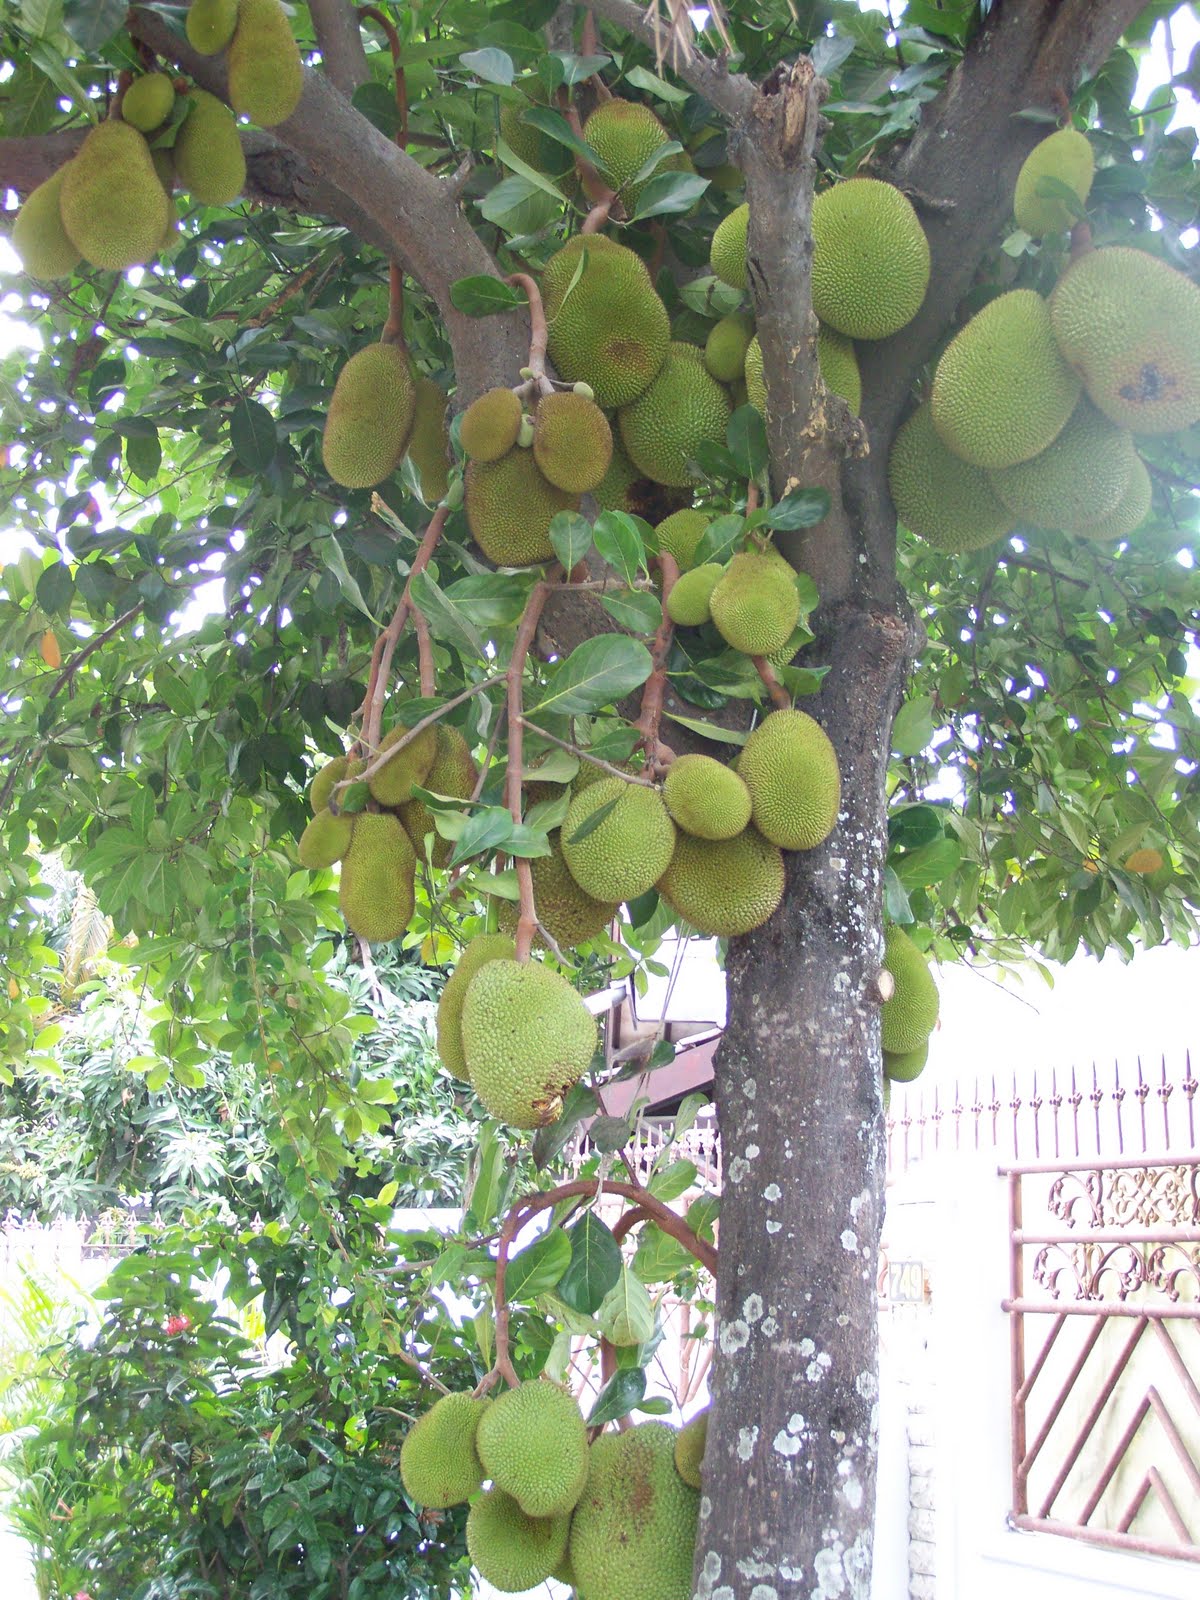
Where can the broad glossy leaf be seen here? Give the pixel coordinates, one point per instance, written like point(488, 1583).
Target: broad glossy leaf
point(539, 1266)
point(595, 1265)
point(597, 673)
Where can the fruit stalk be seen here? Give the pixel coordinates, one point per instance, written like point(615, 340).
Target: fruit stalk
point(779, 695)
point(656, 684)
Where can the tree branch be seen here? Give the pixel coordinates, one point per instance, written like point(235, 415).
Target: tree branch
point(727, 92)
point(339, 39)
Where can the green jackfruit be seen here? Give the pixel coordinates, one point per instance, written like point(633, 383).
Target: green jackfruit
point(325, 840)
point(911, 1014)
point(570, 916)
point(689, 603)
point(870, 266)
point(836, 358)
point(320, 790)
point(726, 346)
point(756, 606)
point(429, 441)
point(791, 771)
point(211, 24)
point(689, 1448)
point(724, 886)
point(527, 1037)
point(624, 136)
point(728, 252)
point(665, 426)
point(1130, 327)
point(533, 1443)
point(1065, 156)
point(1002, 391)
point(392, 784)
point(376, 888)
point(609, 329)
point(208, 151)
point(510, 506)
point(1077, 481)
point(265, 72)
point(572, 442)
point(370, 417)
point(439, 1466)
point(511, 1551)
point(38, 235)
point(535, 148)
point(452, 773)
point(147, 102)
point(939, 496)
point(705, 798)
point(1132, 510)
point(113, 207)
point(628, 850)
point(904, 1068)
point(490, 425)
point(680, 533)
point(633, 1535)
point(484, 947)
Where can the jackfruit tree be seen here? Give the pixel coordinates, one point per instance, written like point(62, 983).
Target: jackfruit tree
point(514, 481)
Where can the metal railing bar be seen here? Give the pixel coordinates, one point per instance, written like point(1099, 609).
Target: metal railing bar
point(1178, 1365)
point(1130, 1236)
point(1135, 1505)
point(1191, 1471)
point(1022, 1393)
point(1057, 1404)
point(1098, 1405)
point(1114, 1461)
point(1154, 1480)
point(1100, 1163)
point(1112, 1541)
point(1101, 1309)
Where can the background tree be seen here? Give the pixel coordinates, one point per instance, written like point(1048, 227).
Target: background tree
point(170, 427)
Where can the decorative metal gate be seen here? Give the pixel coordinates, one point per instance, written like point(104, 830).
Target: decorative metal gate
point(1105, 1323)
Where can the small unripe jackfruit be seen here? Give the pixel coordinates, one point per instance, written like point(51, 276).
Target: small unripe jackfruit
point(628, 850)
point(208, 151)
point(756, 606)
point(265, 72)
point(484, 947)
point(572, 442)
point(490, 425)
point(569, 916)
point(370, 417)
point(325, 840)
point(510, 506)
point(533, 1444)
point(452, 773)
point(689, 1448)
point(791, 770)
point(1077, 481)
point(439, 1466)
point(1131, 512)
point(113, 206)
point(376, 887)
point(1067, 156)
point(726, 346)
point(320, 790)
point(392, 784)
point(706, 798)
point(689, 603)
point(429, 442)
point(724, 887)
point(511, 1551)
point(938, 495)
point(870, 266)
point(527, 1037)
point(211, 24)
point(665, 426)
point(147, 102)
point(836, 358)
point(728, 253)
point(904, 1067)
point(609, 329)
point(38, 235)
point(624, 136)
point(910, 1014)
point(680, 533)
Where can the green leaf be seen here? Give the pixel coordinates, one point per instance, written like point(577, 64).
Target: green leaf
point(595, 1265)
point(486, 831)
point(673, 1180)
point(484, 296)
point(746, 437)
point(719, 540)
point(252, 435)
point(608, 1134)
point(626, 1314)
point(658, 1257)
point(557, 126)
point(571, 536)
point(597, 673)
point(488, 599)
point(710, 730)
point(930, 864)
point(895, 899)
point(593, 821)
point(1049, 188)
point(620, 542)
point(55, 588)
point(685, 1118)
point(668, 194)
point(143, 452)
point(634, 609)
point(538, 1267)
point(619, 1396)
point(445, 619)
point(493, 66)
point(802, 508)
point(643, 78)
point(331, 551)
point(377, 103)
point(913, 727)
point(92, 23)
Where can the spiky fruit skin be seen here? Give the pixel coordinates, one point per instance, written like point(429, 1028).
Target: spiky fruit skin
point(705, 798)
point(727, 255)
point(689, 603)
point(325, 840)
point(113, 207)
point(628, 851)
point(39, 238)
point(938, 495)
point(911, 1013)
point(1145, 862)
point(755, 607)
point(625, 135)
point(570, 916)
point(791, 770)
point(527, 1037)
point(838, 362)
point(870, 265)
point(265, 71)
point(1003, 392)
point(321, 788)
point(724, 887)
point(752, 372)
point(689, 1448)
point(211, 25)
point(511, 1551)
point(376, 888)
point(490, 425)
point(510, 507)
point(535, 148)
point(208, 151)
point(452, 773)
point(1065, 155)
point(1131, 512)
point(392, 784)
point(370, 417)
point(429, 442)
point(904, 1068)
point(439, 1466)
point(1077, 481)
point(726, 346)
point(610, 329)
point(679, 534)
point(484, 947)
point(147, 102)
point(572, 442)
point(633, 1535)
point(665, 426)
point(1130, 326)
point(533, 1444)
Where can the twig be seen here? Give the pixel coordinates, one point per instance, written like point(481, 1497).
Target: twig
point(90, 648)
point(385, 645)
point(381, 761)
point(779, 695)
point(584, 755)
point(527, 922)
point(539, 333)
point(656, 684)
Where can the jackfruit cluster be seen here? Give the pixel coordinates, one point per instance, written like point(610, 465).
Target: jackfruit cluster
point(607, 325)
